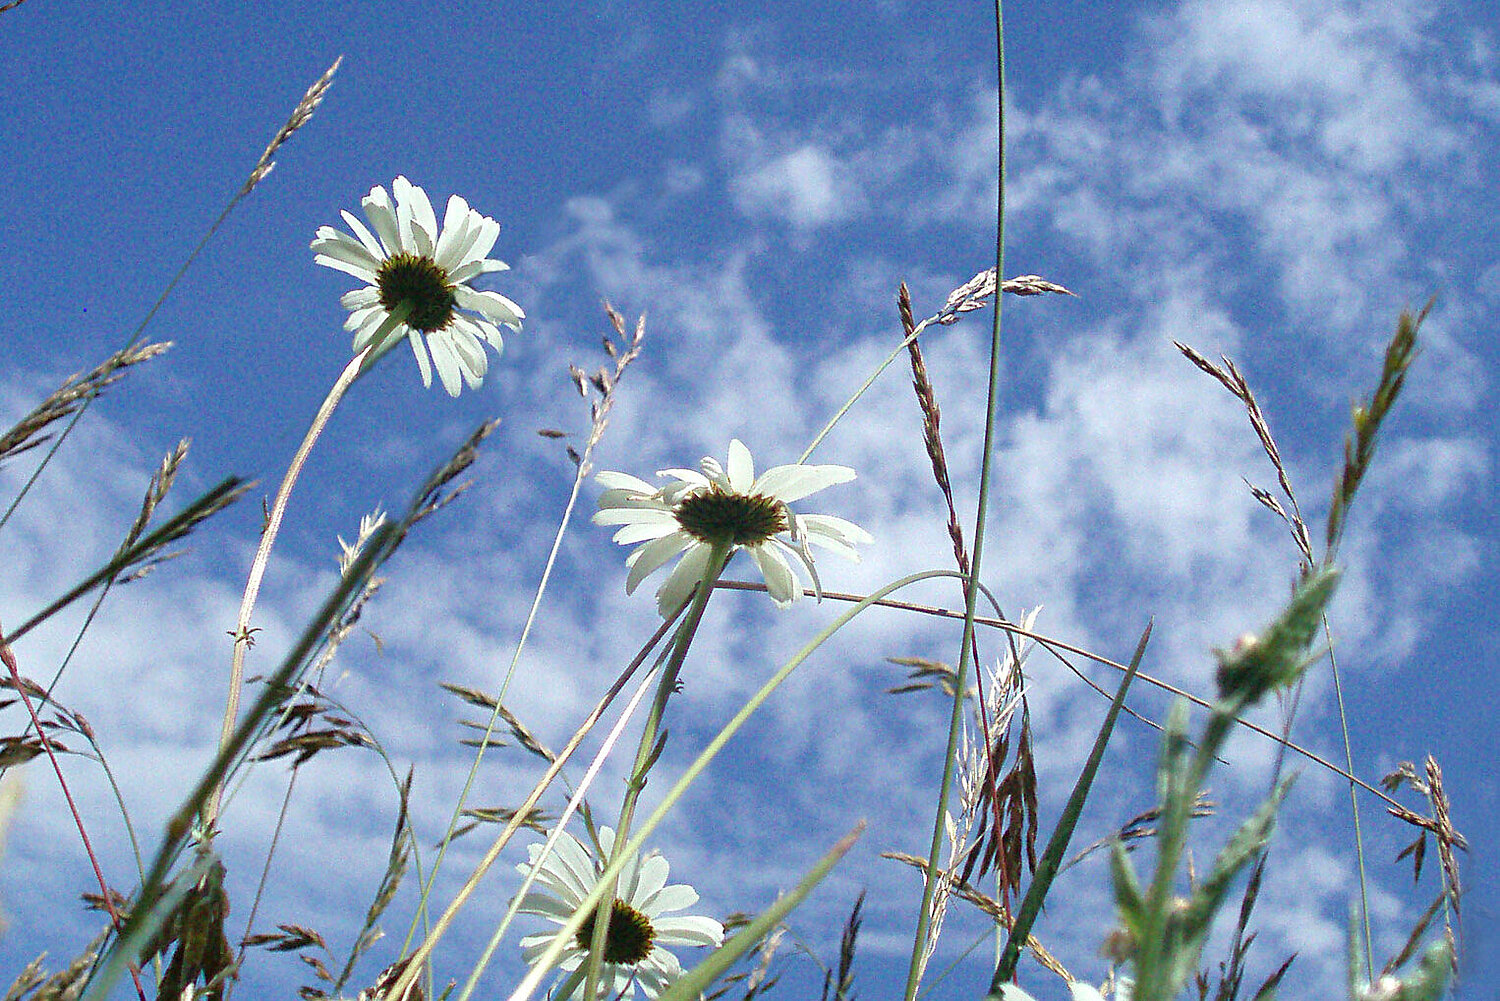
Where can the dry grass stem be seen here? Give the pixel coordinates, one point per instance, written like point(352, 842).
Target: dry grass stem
point(71, 395)
point(990, 907)
point(1230, 378)
point(602, 381)
point(301, 115)
point(1020, 780)
point(1439, 825)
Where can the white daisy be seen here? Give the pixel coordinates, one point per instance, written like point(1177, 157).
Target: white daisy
point(635, 951)
point(407, 259)
point(733, 506)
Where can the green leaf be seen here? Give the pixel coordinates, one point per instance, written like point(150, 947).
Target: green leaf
point(696, 981)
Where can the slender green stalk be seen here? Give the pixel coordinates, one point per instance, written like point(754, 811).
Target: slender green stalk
point(971, 592)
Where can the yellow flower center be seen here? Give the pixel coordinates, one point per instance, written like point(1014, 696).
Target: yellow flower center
point(718, 516)
point(419, 281)
point(630, 935)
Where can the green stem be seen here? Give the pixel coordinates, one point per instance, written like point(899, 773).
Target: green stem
point(646, 753)
point(971, 592)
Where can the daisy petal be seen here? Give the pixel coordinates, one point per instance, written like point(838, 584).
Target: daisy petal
point(792, 483)
point(781, 583)
point(653, 554)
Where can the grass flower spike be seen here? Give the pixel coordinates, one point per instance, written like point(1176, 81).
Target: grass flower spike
point(417, 282)
point(728, 506)
point(635, 953)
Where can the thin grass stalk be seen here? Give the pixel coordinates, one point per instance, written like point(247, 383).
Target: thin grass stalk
point(606, 747)
point(1054, 645)
point(971, 592)
point(554, 952)
point(243, 637)
point(402, 986)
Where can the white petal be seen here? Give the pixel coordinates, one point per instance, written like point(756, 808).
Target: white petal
point(360, 298)
point(424, 220)
point(684, 578)
point(484, 239)
point(491, 334)
point(359, 271)
point(345, 248)
point(826, 529)
point(419, 348)
point(631, 534)
point(469, 348)
point(688, 930)
point(382, 216)
point(445, 360)
point(781, 583)
point(790, 483)
point(653, 554)
point(677, 897)
point(491, 305)
point(688, 476)
point(636, 515)
point(623, 481)
point(650, 878)
point(365, 236)
point(741, 467)
point(455, 232)
point(1083, 992)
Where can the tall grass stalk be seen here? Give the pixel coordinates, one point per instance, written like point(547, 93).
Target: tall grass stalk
point(971, 591)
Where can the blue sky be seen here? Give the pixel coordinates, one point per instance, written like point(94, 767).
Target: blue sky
point(1270, 180)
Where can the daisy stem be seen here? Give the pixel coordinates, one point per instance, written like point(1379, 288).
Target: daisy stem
point(650, 746)
point(243, 634)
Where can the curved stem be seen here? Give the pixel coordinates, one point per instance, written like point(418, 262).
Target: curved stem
point(243, 636)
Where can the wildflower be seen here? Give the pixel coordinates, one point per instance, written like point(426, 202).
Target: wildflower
point(720, 506)
point(635, 952)
point(408, 261)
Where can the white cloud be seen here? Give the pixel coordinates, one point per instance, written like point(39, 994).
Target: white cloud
point(806, 188)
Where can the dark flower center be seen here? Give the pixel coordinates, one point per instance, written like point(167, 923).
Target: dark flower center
point(630, 935)
point(717, 516)
point(417, 280)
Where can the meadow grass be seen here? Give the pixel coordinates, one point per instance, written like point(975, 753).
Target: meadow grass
point(168, 935)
